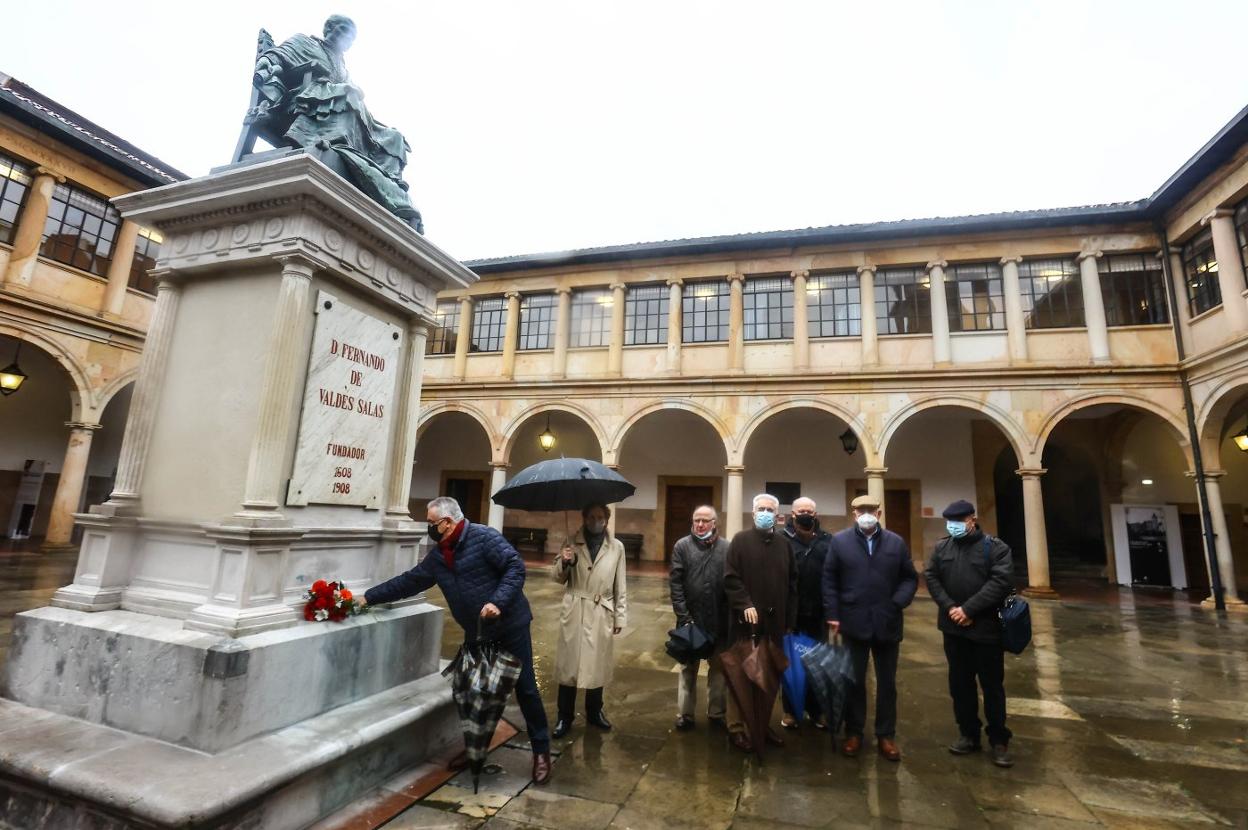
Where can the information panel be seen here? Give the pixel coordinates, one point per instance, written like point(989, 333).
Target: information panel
point(344, 429)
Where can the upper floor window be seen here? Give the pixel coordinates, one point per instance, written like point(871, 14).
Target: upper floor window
point(1052, 293)
point(537, 321)
point(704, 312)
point(645, 314)
point(768, 303)
point(442, 336)
point(903, 301)
point(1241, 230)
point(1200, 268)
point(833, 305)
point(1133, 289)
point(80, 230)
point(146, 251)
point(973, 292)
point(14, 185)
point(489, 324)
point(591, 317)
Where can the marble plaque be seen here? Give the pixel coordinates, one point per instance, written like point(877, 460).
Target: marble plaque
point(344, 429)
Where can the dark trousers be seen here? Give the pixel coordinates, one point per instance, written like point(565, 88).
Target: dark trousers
point(813, 627)
point(520, 644)
point(567, 702)
point(884, 656)
point(969, 660)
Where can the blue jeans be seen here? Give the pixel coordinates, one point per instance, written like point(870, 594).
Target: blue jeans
point(520, 644)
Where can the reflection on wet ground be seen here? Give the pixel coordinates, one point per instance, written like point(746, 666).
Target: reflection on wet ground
point(1128, 711)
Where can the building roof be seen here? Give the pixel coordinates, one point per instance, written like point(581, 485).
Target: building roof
point(1220, 149)
point(41, 112)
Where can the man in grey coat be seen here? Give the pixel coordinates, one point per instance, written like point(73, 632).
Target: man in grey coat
point(697, 588)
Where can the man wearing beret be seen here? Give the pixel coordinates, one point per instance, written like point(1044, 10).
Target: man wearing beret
point(868, 580)
point(969, 574)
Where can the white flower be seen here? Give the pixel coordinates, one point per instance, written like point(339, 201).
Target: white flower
point(321, 615)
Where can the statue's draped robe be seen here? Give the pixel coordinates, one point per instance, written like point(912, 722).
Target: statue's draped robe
point(328, 107)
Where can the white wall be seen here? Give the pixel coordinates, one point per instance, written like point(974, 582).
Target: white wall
point(32, 420)
point(668, 443)
point(936, 449)
point(802, 445)
point(452, 441)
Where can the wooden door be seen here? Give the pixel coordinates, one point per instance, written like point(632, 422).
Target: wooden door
point(1193, 540)
point(468, 492)
point(897, 514)
point(682, 500)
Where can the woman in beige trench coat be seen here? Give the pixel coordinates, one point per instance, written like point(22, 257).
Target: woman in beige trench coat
point(594, 610)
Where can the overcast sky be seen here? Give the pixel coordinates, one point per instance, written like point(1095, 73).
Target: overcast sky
point(539, 126)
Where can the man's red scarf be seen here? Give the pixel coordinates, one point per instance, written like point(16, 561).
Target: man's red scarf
point(447, 543)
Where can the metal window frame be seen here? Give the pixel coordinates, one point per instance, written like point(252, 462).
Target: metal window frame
point(966, 273)
point(60, 250)
point(705, 310)
point(591, 318)
point(10, 180)
point(537, 321)
point(445, 332)
point(1204, 292)
point(1145, 284)
point(767, 307)
point(489, 324)
point(646, 311)
point(1039, 307)
point(832, 305)
point(918, 301)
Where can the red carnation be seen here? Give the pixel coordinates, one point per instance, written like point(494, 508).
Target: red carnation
point(308, 613)
point(320, 603)
point(319, 586)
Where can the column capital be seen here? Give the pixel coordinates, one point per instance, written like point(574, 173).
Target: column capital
point(1209, 474)
point(867, 268)
point(734, 470)
point(297, 265)
point(802, 274)
point(674, 281)
point(563, 289)
point(1089, 255)
point(164, 279)
point(498, 465)
point(617, 286)
point(1216, 213)
point(464, 299)
point(82, 425)
point(1006, 260)
point(48, 172)
point(936, 263)
point(1031, 472)
point(511, 295)
point(736, 277)
point(873, 472)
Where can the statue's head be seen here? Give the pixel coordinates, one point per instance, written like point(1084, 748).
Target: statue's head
point(340, 32)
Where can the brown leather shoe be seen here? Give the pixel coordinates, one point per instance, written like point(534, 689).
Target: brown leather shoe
point(459, 762)
point(889, 749)
point(852, 746)
point(774, 738)
point(541, 768)
point(740, 741)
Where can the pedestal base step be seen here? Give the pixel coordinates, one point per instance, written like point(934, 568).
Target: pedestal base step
point(58, 772)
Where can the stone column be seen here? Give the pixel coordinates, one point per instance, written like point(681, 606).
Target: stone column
point(734, 506)
point(69, 485)
point(1094, 306)
point(1181, 310)
point(675, 328)
point(29, 233)
point(511, 334)
point(1015, 324)
point(119, 267)
point(279, 392)
point(464, 338)
point(1230, 268)
point(941, 351)
point(615, 353)
point(875, 486)
point(866, 299)
point(1035, 534)
point(498, 477)
point(615, 510)
point(1221, 535)
point(407, 415)
point(563, 327)
point(125, 498)
point(801, 323)
point(736, 323)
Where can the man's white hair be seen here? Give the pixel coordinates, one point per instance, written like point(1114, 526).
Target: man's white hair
point(800, 499)
point(714, 512)
point(765, 497)
point(445, 507)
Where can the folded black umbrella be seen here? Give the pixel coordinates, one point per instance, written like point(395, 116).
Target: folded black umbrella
point(830, 673)
point(563, 484)
point(688, 642)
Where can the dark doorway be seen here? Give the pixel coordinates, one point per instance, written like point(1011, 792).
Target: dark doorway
point(1011, 529)
point(897, 514)
point(467, 491)
point(682, 500)
point(1194, 561)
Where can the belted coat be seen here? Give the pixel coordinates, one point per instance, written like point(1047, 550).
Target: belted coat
point(595, 602)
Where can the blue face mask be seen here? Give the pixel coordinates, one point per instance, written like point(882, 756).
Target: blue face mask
point(764, 520)
point(956, 529)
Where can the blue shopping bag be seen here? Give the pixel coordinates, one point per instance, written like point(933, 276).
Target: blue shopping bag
point(793, 681)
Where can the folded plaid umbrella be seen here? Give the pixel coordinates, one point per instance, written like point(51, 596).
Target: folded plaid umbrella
point(830, 673)
point(482, 678)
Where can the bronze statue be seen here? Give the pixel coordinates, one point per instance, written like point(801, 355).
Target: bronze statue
point(303, 97)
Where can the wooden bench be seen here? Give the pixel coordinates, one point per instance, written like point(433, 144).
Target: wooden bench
point(530, 541)
point(632, 545)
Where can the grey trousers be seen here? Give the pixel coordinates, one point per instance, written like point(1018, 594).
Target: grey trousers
point(687, 689)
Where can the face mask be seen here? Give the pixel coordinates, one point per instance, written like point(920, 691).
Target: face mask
point(867, 521)
point(763, 520)
point(434, 533)
point(595, 528)
point(702, 537)
point(806, 521)
point(956, 529)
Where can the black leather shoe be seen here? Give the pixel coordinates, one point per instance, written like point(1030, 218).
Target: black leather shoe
point(684, 723)
point(599, 719)
point(562, 727)
point(964, 746)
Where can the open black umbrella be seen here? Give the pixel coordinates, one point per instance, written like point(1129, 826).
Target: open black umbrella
point(483, 676)
point(563, 484)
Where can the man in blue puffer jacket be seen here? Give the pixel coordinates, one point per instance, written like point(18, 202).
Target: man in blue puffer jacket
point(482, 578)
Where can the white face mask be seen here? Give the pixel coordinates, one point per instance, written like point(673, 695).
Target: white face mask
point(867, 521)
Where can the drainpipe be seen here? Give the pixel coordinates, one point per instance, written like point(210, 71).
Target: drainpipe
point(1206, 519)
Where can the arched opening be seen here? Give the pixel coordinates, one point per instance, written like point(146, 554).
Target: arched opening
point(676, 460)
point(799, 452)
point(1222, 435)
point(452, 459)
point(1118, 505)
point(106, 447)
point(948, 452)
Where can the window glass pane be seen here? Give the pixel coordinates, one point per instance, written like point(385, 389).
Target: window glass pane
point(591, 317)
point(80, 229)
point(1241, 230)
point(445, 329)
point(645, 314)
point(1133, 290)
point(768, 305)
point(489, 322)
point(14, 185)
point(833, 307)
point(1200, 267)
point(1052, 293)
point(537, 321)
point(903, 300)
point(146, 252)
point(973, 293)
point(704, 312)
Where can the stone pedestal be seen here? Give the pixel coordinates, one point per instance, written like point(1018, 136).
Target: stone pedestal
point(270, 435)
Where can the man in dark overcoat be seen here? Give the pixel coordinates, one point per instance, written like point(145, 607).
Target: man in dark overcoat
point(868, 580)
point(697, 589)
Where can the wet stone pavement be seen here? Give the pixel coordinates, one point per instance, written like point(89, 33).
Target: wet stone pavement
point(1129, 711)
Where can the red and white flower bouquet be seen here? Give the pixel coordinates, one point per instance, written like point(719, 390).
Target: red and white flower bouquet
point(329, 601)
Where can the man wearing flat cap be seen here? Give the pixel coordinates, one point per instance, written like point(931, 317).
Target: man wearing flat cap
point(969, 575)
point(868, 580)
